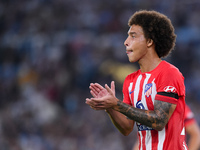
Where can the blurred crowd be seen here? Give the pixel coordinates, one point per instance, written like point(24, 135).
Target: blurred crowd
point(51, 50)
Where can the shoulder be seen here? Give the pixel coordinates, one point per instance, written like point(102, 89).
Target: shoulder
point(129, 78)
point(170, 66)
point(170, 78)
point(189, 116)
point(188, 112)
point(132, 75)
point(170, 70)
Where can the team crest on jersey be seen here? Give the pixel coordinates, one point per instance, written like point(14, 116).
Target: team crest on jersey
point(148, 89)
point(170, 89)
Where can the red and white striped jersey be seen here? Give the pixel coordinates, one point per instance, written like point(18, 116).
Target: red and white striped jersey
point(189, 116)
point(142, 89)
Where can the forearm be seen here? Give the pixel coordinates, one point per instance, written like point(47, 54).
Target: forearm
point(156, 120)
point(121, 122)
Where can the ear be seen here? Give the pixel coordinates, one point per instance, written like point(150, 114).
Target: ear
point(149, 42)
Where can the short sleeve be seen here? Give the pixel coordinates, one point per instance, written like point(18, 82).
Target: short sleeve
point(170, 86)
point(126, 98)
point(189, 116)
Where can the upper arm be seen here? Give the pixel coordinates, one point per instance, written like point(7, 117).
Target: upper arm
point(170, 89)
point(163, 111)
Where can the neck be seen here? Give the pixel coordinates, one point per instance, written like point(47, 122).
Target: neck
point(149, 65)
point(149, 61)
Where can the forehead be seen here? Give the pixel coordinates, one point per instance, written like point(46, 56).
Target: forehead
point(135, 29)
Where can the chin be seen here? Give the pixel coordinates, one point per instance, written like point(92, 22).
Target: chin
point(131, 61)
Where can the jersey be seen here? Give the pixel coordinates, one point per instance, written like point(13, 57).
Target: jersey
point(189, 116)
point(164, 83)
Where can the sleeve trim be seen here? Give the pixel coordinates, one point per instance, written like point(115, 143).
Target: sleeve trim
point(166, 99)
point(189, 121)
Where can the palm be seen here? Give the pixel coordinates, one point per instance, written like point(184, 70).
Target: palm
point(102, 93)
point(103, 98)
point(99, 91)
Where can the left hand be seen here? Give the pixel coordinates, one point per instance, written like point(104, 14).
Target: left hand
point(104, 98)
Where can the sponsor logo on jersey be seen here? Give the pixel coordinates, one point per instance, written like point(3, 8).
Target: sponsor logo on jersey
point(148, 89)
point(170, 89)
point(143, 127)
point(139, 105)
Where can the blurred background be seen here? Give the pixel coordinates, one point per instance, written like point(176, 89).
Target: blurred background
point(51, 50)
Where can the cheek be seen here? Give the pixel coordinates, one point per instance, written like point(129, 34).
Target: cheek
point(141, 39)
point(138, 45)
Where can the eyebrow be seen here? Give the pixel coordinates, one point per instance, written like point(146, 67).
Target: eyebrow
point(131, 33)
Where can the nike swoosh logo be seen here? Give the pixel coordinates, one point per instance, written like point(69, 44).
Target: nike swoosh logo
point(131, 92)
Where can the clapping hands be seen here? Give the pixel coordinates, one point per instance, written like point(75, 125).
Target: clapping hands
point(103, 97)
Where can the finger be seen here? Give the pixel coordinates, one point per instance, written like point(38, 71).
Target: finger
point(95, 105)
point(108, 89)
point(98, 87)
point(94, 101)
point(94, 94)
point(113, 86)
point(87, 101)
point(93, 88)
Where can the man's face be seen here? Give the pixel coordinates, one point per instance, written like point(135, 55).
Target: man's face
point(136, 43)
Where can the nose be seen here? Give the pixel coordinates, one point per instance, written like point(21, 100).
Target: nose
point(126, 42)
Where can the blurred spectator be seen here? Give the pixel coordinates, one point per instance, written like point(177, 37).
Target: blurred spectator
point(51, 50)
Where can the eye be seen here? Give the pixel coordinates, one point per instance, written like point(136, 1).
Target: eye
point(132, 35)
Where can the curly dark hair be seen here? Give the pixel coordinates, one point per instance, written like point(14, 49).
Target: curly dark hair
point(158, 27)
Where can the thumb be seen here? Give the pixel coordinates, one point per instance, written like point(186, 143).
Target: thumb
point(113, 87)
point(108, 89)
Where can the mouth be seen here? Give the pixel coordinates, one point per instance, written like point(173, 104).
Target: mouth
point(129, 51)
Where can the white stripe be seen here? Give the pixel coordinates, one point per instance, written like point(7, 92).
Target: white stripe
point(140, 139)
point(183, 131)
point(129, 90)
point(184, 145)
point(148, 140)
point(143, 94)
point(161, 137)
point(154, 91)
point(137, 87)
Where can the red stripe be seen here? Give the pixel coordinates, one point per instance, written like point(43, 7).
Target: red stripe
point(154, 135)
point(139, 140)
point(143, 140)
point(149, 103)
